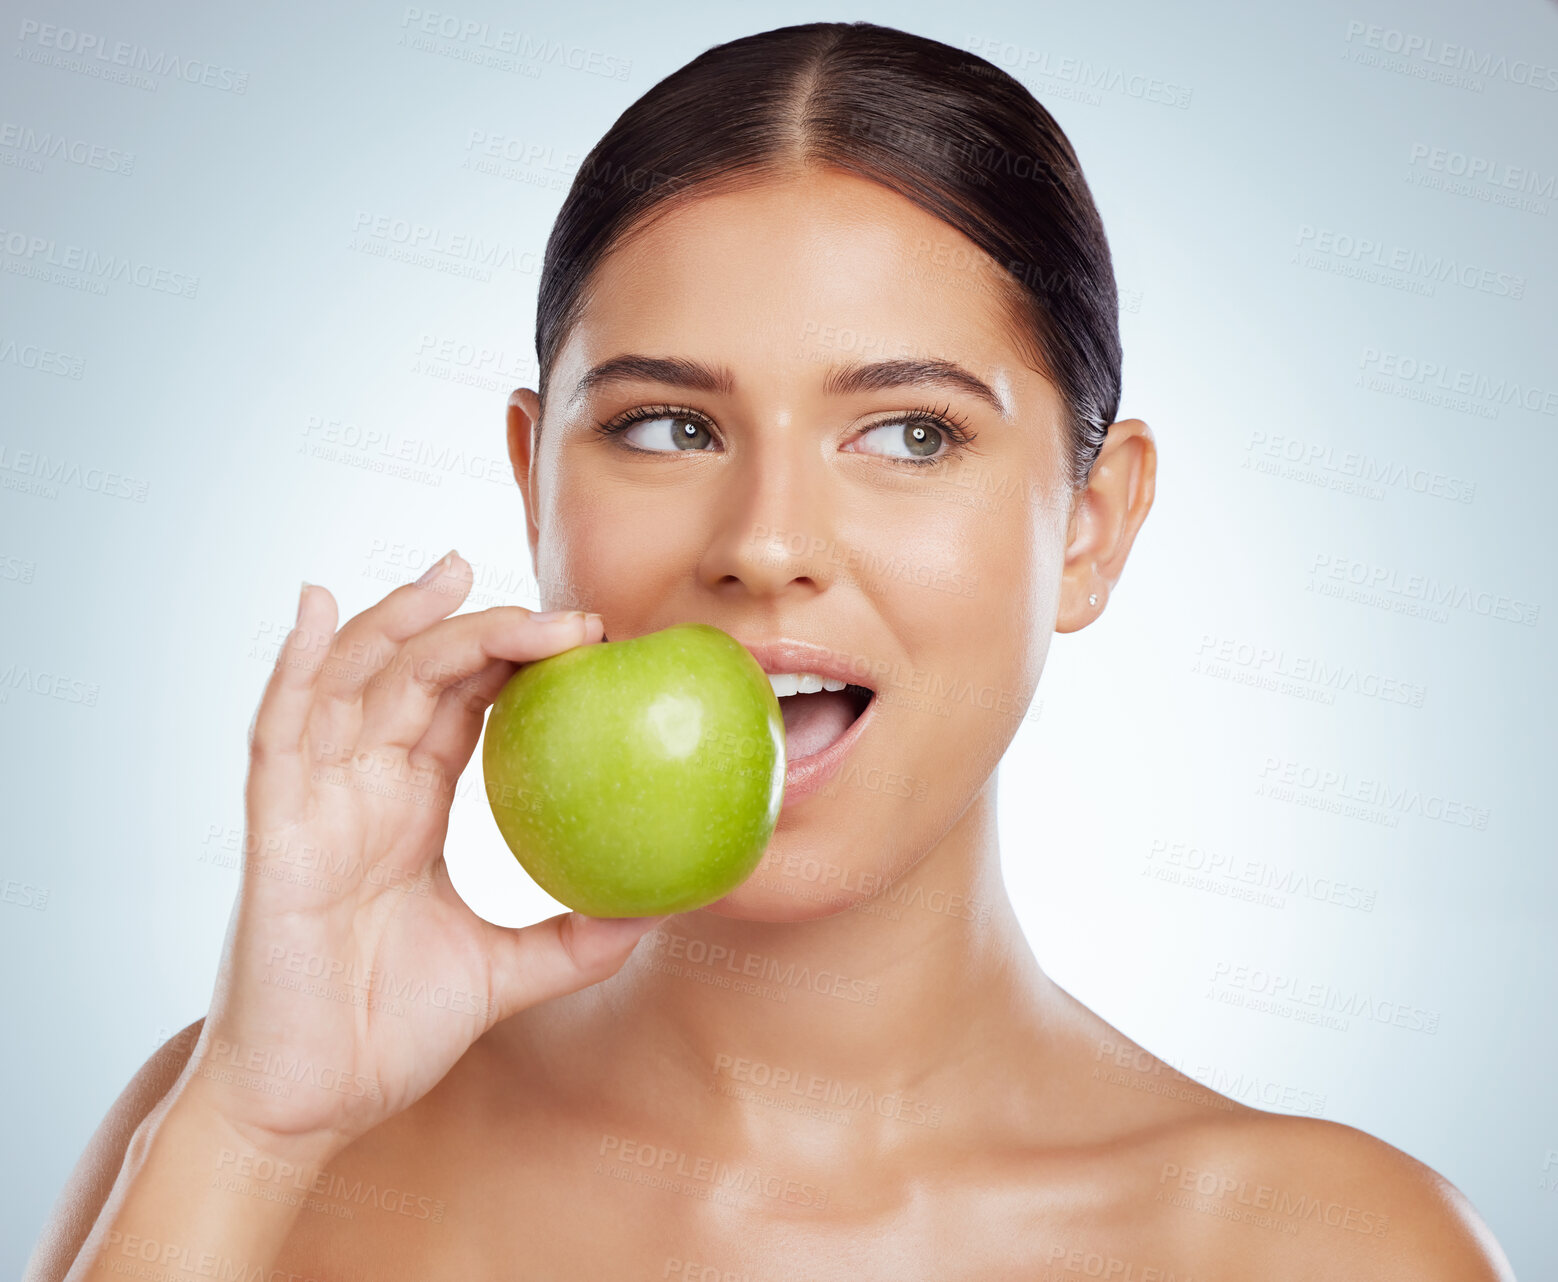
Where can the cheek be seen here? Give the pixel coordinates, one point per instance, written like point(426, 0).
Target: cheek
point(607, 548)
point(568, 557)
point(962, 577)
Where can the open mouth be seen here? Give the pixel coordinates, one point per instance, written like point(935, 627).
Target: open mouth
point(815, 719)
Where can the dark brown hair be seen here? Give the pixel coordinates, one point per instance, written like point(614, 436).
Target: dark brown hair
point(942, 127)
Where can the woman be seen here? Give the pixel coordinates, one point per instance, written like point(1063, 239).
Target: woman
point(829, 358)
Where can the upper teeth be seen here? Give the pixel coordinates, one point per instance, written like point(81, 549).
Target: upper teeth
point(788, 683)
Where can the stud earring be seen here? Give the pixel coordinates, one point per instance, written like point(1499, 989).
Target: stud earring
point(1092, 598)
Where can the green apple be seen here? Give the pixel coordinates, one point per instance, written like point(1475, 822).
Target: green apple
point(639, 777)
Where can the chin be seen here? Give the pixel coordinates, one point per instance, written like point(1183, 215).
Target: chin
point(768, 895)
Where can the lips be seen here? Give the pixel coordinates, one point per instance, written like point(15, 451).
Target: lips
point(807, 774)
point(813, 721)
point(788, 655)
point(822, 727)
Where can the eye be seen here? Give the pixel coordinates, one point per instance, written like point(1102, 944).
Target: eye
point(911, 438)
point(916, 436)
point(661, 430)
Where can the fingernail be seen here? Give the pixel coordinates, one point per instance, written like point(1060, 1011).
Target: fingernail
point(303, 592)
point(437, 568)
point(552, 616)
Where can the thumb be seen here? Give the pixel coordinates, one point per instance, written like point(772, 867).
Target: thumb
point(560, 955)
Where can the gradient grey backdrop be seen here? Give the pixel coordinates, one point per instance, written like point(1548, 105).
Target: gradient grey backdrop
point(1274, 763)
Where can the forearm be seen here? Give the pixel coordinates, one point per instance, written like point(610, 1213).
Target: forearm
point(198, 1198)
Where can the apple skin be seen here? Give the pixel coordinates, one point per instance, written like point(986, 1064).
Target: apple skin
point(639, 777)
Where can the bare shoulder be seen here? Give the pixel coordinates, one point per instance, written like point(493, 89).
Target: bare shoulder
point(1245, 1192)
point(86, 1190)
point(1338, 1202)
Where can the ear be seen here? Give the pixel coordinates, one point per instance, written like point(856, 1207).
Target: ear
point(1104, 521)
point(524, 429)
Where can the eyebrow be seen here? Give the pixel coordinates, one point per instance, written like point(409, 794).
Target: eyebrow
point(842, 380)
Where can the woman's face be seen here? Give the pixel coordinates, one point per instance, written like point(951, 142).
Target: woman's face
point(780, 505)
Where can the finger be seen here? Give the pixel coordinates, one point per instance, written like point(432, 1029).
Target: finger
point(370, 640)
point(452, 734)
point(457, 721)
point(283, 712)
point(559, 955)
point(399, 707)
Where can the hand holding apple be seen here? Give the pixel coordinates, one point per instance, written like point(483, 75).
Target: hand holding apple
point(399, 693)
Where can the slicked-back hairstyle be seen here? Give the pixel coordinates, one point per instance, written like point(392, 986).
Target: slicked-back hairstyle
point(942, 127)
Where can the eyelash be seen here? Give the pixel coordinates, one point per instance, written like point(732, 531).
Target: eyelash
point(953, 426)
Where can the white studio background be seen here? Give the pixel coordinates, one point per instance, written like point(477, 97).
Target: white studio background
point(1281, 189)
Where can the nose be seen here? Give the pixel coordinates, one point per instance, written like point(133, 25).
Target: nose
point(772, 531)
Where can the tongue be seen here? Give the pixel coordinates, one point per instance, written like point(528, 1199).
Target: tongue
point(813, 721)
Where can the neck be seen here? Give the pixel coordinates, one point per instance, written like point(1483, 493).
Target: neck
point(904, 995)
